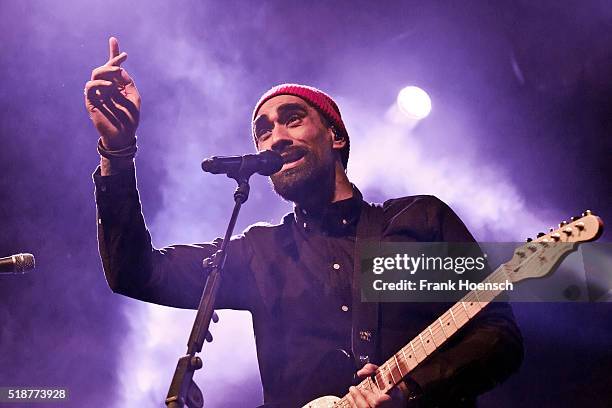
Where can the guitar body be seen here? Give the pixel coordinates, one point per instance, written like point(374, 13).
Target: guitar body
point(323, 402)
point(333, 375)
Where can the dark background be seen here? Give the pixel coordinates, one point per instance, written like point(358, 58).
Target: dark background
point(522, 105)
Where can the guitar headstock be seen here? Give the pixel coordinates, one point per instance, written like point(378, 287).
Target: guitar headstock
point(538, 257)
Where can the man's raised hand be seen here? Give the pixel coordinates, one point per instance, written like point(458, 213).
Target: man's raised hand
point(112, 100)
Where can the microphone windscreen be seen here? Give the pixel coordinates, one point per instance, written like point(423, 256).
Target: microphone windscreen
point(24, 262)
point(271, 162)
point(207, 165)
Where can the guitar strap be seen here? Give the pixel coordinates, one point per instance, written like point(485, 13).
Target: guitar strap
point(365, 315)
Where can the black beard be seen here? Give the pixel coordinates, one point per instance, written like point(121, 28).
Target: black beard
point(310, 183)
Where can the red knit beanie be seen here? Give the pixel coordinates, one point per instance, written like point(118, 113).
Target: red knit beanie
point(316, 98)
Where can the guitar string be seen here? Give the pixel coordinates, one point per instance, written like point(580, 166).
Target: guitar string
point(387, 365)
point(436, 330)
point(449, 316)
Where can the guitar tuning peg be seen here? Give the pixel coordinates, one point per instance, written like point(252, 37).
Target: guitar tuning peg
point(529, 240)
point(574, 218)
point(562, 224)
point(551, 229)
point(540, 234)
point(587, 212)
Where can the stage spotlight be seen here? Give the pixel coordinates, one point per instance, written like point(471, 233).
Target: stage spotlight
point(414, 102)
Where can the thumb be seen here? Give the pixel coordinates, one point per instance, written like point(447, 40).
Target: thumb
point(367, 370)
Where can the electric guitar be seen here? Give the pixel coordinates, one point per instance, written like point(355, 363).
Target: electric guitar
point(535, 259)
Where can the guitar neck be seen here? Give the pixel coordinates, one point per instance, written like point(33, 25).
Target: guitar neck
point(392, 371)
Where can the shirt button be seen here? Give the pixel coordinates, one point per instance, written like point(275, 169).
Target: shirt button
point(344, 308)
point(344, 221)
point(336, 266)
point(305, 225)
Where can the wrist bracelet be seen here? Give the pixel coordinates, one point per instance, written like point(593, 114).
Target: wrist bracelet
point(127, 152)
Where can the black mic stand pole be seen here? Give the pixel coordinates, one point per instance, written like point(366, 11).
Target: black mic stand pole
point(183, 390)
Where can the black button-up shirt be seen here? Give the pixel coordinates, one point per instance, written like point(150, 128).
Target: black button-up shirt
point(295, 279)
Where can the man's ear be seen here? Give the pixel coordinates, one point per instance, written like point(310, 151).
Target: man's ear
point(339, 141)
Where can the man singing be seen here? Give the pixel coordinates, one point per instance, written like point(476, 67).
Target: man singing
point(296, 278)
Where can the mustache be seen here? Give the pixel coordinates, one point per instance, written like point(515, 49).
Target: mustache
point(293, 153)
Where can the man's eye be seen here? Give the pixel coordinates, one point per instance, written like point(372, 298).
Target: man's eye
point(263, 134)
point(294, 119)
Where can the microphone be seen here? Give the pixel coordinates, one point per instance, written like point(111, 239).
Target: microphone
point(15, 264)
point(265, 163)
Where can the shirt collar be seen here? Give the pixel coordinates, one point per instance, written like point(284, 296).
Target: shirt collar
point(338, 218)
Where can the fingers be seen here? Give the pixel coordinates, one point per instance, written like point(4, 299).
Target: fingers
point(367, 370)
point(117, 60)
point(106, 72)
point(122, 109)
point(126, 79)
point(356, 399)
point(113, 48)
point(102, 95)
point(114, 57)
point(120, 78)
point(366, 399)
point(112, 73)
point(95, 89)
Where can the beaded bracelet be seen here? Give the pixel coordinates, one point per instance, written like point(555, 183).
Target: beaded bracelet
point(127, 152)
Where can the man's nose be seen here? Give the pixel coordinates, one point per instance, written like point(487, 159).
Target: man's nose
point(280, 139)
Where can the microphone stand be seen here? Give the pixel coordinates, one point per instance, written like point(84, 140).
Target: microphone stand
point(183, 390)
